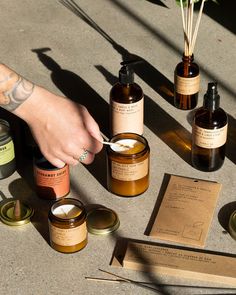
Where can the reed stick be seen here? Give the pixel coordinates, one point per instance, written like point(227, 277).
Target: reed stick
point(190, 36)
point(197, 27)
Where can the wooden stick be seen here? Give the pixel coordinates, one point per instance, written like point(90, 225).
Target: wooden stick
point(197, 27)
point(117, 144)
point(184, 26)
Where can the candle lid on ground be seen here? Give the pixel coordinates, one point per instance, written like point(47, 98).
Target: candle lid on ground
point(102, 221)
point(15, 212)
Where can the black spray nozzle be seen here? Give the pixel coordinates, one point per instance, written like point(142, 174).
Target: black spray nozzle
point(126, 73)
point(212, 98)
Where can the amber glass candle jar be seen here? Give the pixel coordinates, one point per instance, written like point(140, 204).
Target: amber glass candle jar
point(187, 83)
point(128, 165)
point(67, 226)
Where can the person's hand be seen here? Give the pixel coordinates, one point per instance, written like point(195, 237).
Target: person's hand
point(63, 129)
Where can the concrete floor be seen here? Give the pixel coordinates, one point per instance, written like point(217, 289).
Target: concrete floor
point(86, 42)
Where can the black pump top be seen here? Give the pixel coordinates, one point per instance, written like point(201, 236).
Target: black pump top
point(212, 98)
point(126, 73)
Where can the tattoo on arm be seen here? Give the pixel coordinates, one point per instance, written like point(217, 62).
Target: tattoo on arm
point(14, 89)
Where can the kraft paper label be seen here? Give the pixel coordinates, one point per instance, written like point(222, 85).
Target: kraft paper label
point(7, 153)
point(209, 138)
point(58, 180)
point(186, 211)
point(127, 117)
point(129, 172)
point(187, 86)
point(69, 236)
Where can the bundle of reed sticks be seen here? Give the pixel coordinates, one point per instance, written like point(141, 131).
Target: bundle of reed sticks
point(190, 33)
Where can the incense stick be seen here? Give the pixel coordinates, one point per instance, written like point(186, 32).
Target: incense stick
point(120, 279)
point(131, 281)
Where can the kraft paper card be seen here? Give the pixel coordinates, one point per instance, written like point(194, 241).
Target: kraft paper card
point(186, 211)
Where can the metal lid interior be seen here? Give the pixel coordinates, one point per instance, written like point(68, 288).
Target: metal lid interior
point(9, 217)
point(102, 221)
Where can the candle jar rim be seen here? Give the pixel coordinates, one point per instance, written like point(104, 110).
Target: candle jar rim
point(68, 201)
point(129, 135)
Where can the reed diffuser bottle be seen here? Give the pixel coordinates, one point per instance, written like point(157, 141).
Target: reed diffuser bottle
point(126, 103)
point(187, 83)
point(209, 133)
point(187, 77)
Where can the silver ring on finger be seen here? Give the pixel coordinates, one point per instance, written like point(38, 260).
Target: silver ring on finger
point(83, 156)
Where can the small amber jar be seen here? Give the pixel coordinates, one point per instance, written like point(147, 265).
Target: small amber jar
point(67, 226)
point(187, 83)
point(128, 168)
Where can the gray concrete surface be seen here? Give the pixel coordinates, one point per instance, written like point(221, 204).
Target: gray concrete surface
point(86, 47)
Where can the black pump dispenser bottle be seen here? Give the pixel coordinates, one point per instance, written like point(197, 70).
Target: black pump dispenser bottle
point(126, 103)
point(209, 132)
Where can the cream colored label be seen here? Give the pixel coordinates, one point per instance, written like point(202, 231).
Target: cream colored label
point(129, 172)
point(127, 117)
point(187, 86)
point(209, 138)
point(69, 236)
point(7, 153)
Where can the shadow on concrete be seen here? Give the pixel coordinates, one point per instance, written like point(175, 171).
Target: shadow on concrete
point(172, 47)
point(223, 13)
point(149, 74)
point(76, 89)
point(157, 2)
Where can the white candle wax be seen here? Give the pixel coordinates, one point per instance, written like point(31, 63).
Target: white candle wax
point(67, 211)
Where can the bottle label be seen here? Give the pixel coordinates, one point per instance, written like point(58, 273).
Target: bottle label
point(187, 86)
point(127, 117)
point(209, 138)
point(129, 172)
point(7, 153)
point(55, 182)
point(68, 236)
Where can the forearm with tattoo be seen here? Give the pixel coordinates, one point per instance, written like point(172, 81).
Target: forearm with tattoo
point(14, 89)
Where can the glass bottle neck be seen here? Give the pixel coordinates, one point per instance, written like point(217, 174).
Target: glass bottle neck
point(187, 59)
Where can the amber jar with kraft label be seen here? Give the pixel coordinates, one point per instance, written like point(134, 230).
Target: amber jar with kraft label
point(128, 165)
point(67, 225)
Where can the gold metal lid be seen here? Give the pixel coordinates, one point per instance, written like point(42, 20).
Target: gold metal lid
point(232, 225)
point(14, 212)
point(102, 221)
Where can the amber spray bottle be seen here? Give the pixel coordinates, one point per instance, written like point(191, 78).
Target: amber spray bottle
point(209, 133)
point(126, 103)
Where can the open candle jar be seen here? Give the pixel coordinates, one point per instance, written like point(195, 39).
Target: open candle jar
point(128, 165)
point(67, 226)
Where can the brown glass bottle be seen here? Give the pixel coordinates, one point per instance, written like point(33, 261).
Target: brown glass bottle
point(209, 133)
point(187, 83)
point(126, 103)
